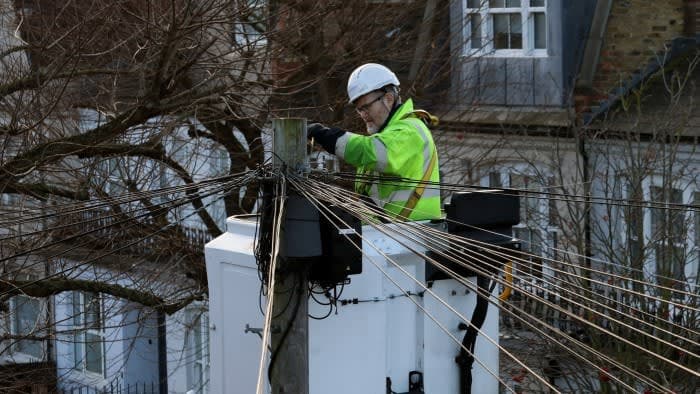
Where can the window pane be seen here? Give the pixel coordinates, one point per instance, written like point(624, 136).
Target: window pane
point(553, 212)
point(500, 31)
point(197, 336)
point(512, 3)
point(92, 311)
point(540, 30)
point(657, 214)
point(696, 202)
point(78, 350)
point(27, 314)
point(676, 217)
point(473, 3)
point(495, 179)
point(497, 3)
point(536, 3)
point(507, 29)
point(516, 31)
point(475, 24)
point(27, 323)
point(635, 215)
point(93, 353)
point(77, 309)
point(670, 263)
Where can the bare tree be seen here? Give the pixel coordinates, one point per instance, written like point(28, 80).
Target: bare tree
point(128, 127)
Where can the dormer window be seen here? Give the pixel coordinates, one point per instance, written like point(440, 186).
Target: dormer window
point(506, 27)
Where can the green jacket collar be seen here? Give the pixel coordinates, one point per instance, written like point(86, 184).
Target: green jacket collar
point(398, 113)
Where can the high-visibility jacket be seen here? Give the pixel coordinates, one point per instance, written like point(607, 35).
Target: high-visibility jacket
point(403, 148)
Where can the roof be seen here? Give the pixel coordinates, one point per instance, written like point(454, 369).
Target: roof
point(680, 48)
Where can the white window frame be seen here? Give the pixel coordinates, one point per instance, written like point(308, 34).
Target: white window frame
point(652, 239)
point(81, 331)
point(14, 329)
point(197, 349)
point(487, 35)
point(649, 240)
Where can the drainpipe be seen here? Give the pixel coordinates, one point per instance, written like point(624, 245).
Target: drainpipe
point(585, 159)
point(162, 355)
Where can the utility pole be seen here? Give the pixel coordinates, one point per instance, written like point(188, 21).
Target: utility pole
point(289, 360)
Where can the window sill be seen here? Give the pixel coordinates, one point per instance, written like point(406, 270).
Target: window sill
point(505, 54)
point(87, 378)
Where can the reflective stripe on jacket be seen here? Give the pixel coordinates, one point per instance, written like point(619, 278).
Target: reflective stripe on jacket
point(402, 149)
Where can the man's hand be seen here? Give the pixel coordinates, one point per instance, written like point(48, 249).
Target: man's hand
point(324, 136)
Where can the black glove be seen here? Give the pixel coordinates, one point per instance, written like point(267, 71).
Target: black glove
point(324, 136)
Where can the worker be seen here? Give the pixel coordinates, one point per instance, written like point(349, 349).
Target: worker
point(399, 145)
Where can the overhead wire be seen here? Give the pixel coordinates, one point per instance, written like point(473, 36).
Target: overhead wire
point(370, 221)
point(128, 216)
point(572, 253)
point(22, 216)
point(510, 191)
point(325, 213)
point(632, 280)
point(647, 284)
point(522, 262)
point(133, 224)
point(472, 287)
point(507, 254)
point(637, 376)
point(468, 284)
point(110, 200)
point(483, 244)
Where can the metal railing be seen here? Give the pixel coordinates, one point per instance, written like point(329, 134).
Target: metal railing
point(100, 225)
point(115, 388)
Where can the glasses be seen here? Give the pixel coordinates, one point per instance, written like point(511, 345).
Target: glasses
point(364, 108)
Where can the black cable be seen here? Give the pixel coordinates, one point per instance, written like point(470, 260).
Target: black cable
point(330, 311)
point(320, 302)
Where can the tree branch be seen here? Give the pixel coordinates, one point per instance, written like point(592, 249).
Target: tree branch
point(156, 152)
point(42, 191)
point(50, 287)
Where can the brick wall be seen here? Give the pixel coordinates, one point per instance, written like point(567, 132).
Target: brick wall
point(637, 31)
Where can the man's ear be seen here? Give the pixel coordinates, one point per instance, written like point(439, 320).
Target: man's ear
point(390, 99)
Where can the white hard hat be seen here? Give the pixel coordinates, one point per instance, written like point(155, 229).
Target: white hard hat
point(369, 77)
